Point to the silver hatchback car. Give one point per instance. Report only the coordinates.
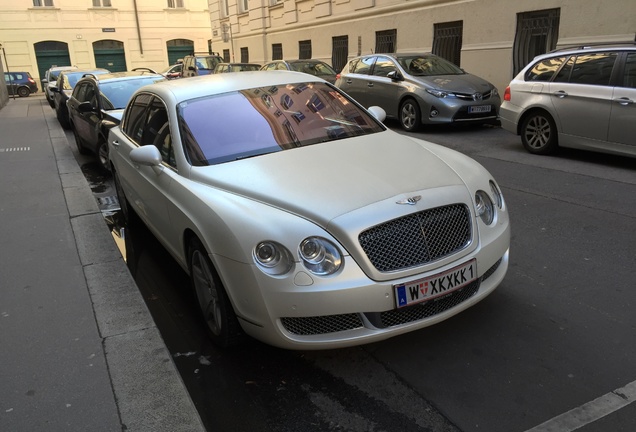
(581, 98)
(419, 89)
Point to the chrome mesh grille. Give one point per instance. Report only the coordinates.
(427, 309)
(321, 324)
(418, 238)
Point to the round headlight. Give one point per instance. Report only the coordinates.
(496, 193)
(484, 207)
(273, 258)
(320, 256)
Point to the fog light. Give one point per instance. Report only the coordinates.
(434, 113)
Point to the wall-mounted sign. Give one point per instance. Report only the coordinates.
(108, 30)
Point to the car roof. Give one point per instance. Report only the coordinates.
(116, 76)
(206, 85)
(610, 46)
(83, 71)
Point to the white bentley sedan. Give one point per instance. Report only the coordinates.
(301, 219)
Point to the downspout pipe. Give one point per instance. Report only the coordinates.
(141, 45)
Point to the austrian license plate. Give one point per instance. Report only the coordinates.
(438, 285)
(479, 109)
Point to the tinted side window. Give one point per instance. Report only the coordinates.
(593, 69)
(133, 124)
(545, 69)
(79, 91)
(364, 66)
(564, 74)
(383, 66)
(629, 77)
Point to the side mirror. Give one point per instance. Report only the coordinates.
(85, 107)
(146, 155)
(378, 113)
(45, 81)
(395, 76)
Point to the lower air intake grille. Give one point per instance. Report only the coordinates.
(321, 324)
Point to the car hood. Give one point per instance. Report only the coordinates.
(324, 181)
(465, 83)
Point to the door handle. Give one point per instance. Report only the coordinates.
(115, 143)
(624, 101)
(370, 84)
(348, 81)
(560, 94)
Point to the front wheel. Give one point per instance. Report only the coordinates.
(410, 115)
(220, 320)
(102, 155)
(539, 134)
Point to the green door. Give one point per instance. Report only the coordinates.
(179, 48)
(49, 54)
(109, 54)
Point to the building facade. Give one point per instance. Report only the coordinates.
(490, 38)
(114, 34)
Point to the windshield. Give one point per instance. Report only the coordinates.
(73, 77)
(313, 68)
(208, 62)
(426, 65)
(247, 123)
(116, 94)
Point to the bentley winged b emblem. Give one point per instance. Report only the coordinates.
(410, 200)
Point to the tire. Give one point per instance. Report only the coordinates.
(216, 309)
(121, 197)
(102, 155)
(539, 133)
(63, 119)
(78, 142)
(410, 115)
(24, 92)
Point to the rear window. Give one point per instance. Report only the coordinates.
(214, 129)
(116, 94)
(545, 69)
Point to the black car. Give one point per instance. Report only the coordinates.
(200, 64)
(66, 81)
(20, 83)
(97, 104)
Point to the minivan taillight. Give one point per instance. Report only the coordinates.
(337, 76)
(507, 94)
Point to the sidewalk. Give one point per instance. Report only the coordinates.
(79, 350)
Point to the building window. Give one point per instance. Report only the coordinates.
(40, 3)
(275, 2)
(101, 3)
(304, 49)
(385, 41)
(244, 6)
(537, 33)
(277, 51)
(226, 55)
(225, 8)
(339, 52)
(245, 55)
(174, 4)
(447, 40)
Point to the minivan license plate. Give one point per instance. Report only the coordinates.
(479, 109)
(438, 285)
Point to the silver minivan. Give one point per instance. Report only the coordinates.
(581, 98)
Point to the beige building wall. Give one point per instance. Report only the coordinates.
(489, 26)
(79, 24)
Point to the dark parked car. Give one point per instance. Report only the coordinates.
(50, 82)
(420, 89)
(313, 67)
(20, 83)
(64, 87)
(236, 67)
(200, 64)
(97, 104)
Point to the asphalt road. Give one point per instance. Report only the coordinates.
(552, 349)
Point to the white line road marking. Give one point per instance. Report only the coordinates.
(591, 411)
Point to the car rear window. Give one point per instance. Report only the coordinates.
(116, 94)
(257, 121)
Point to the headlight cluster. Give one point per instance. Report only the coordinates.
(320, 256)
(484, 205)
(440, 93)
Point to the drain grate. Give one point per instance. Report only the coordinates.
(14, 149)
